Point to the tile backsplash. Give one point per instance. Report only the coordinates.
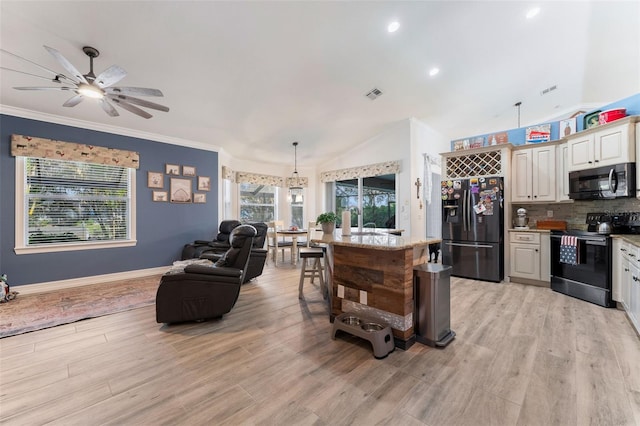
(575, 213)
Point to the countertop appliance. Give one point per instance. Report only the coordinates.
(590, 277)
(473, 227)
(521, 221)
(617, 181)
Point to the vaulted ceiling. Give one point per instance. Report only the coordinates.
(252, 77)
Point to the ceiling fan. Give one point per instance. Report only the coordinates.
(96, 87)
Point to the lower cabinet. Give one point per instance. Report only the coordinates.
(529, 256)
(626, 279)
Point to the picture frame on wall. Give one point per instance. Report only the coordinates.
(204, 183)
(160, 196)
(567, 127)
(199, 198)
(155, 180)
(180, 190)
(172, 169)
(188, 171)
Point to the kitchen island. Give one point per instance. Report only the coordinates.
(372, 275)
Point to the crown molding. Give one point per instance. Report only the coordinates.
(56, 119)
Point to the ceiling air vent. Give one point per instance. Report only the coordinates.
(374, 94)
(548, 89)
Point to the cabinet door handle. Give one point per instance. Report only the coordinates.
(597, 161)
(536, 250)
(590, 162)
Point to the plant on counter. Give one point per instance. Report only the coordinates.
(328, 221)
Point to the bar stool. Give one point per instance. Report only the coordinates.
(315, 253)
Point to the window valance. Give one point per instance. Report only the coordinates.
(228, 174)
(378, 169)
(245, 177)
(28, 146)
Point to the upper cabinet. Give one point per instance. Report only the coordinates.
(562, 175)
(609, 145)
(533, 174)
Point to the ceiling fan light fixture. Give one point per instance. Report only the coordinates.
(90, 91)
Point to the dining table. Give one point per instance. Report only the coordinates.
(293, 234)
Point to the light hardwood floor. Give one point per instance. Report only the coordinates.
(523, 355)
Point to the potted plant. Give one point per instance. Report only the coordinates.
(328, 221)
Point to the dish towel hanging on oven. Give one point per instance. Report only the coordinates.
(569, 252)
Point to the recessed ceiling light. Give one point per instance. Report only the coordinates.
(433, 71)
(393, 27)
(533, 12)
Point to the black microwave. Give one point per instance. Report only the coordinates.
(603, 182)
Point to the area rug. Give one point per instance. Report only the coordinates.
(32, 312)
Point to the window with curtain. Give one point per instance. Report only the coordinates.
(68, 203)
(258, 202)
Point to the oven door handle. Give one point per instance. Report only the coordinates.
(596, 243)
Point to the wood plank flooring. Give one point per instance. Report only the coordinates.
(523, 355)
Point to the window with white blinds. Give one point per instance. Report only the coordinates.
(74, 204)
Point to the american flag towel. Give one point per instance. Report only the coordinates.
(569, 252)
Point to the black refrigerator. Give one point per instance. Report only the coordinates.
(473, 227)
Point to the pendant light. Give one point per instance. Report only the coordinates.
(296, 192)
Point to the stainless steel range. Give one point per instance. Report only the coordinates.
(581, 261)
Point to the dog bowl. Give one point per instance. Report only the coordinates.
(371, 327)
(351, 320)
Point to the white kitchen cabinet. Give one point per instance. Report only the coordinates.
(606, 146)
(533, 176)
(562, 172)
(626, 279)
(529, 256)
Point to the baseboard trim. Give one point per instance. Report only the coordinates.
(95, 279)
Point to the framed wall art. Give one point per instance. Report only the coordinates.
(160, 196)
(188, 171)
(199, 197)
(180, 190)
(172, 169)
(204, 183)
(591, 120)
(155, 180)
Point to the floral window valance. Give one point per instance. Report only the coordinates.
(378, 169)
(228, 174)
(27, 146)
(245, 177)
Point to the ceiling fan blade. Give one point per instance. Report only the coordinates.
(108, 108)
(135, 91)
(57, 75)
(45, 88)
(110, 76)
(53, 80)
(73, 101)
(131, 108)
(66, 64)
(140, 102)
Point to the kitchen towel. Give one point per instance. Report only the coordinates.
(569, 251)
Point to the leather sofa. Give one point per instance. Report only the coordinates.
(202, 292)
(219, 244)
(258, 256)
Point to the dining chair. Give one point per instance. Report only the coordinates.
(276, 242)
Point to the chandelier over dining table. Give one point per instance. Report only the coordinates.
(296, 192)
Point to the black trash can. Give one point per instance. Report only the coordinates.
(432, 310)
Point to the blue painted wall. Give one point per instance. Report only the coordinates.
(162, 228)
(518, 136)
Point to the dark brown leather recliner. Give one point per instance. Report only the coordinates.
(202, 292)
(258, 255)
(219, 244)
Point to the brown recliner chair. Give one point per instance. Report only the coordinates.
(219, 244)
(258, 255)
(202, 292)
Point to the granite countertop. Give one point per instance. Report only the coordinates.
(541, 231)
(632, 239)
(383, 241)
